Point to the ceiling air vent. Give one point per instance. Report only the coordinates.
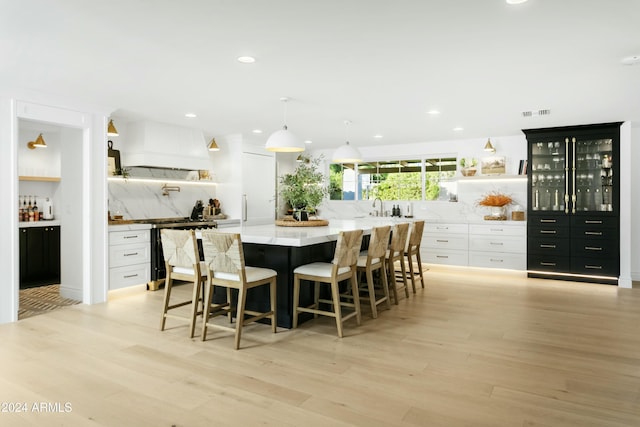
(536, 113)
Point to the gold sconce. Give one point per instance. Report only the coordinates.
(38, 143)
(489, 147)
(213, 146)
(111, 129)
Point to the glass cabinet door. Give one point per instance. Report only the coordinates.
(548, 177)
(593, 178)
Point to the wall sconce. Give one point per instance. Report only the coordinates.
(38, 143)
(488, 147)
(213, 146)
(111, 129)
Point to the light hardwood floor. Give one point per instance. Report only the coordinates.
(472, 349)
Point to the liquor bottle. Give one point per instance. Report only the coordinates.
(20, 208)
(25, 213)
(36, 214)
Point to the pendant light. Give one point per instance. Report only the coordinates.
(489, 147)
(213, 146)
(38, 143)
(283, 140)
(347, 153)
(111, 129)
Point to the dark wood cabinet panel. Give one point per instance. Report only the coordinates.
(39, 256)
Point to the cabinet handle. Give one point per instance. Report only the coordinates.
(442, 256)
(593, 233)
(592, 248)
(131, 237)
(496, 243)
(496, 229)
(588, 221)
(548, 220)
(496, 260)
(129, 276)
(566, 177)
(550, 264)
(548, 246)
(131, 254)
(547, 231)
(573, 175)
(593, 267)
(442, 241)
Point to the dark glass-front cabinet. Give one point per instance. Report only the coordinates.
(573, 229)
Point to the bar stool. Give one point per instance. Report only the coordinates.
(374, 259)
(224, 258)
(396, 253)
(343, 267)
(413, 250)
(182, 262)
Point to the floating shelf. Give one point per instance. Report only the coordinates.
(40, 178)
(490, 178)
(161, 180)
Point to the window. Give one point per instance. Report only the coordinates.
(417, 179)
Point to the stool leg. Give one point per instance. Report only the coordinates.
(316, 298)
(385, 284)
(272, 296)
(167, 296)
(356, 298)
(206, 309)
(242, 299)
(197, 284)
(411, 271)
(296, 298)
(372, 294)
(394, 285)
(335, 296)
(420, 268)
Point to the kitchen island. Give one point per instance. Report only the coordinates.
(285, 248)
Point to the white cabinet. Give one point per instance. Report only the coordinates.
(258, 189)
(129, 257)
(498, 246)
(445, 244)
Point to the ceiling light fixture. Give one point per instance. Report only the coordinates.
(190, 115)
(257, 131)
(308, 141)
(516, 1)
(111, 129)
(378, 136)
(213, 146)
(433, 112)
(489, 147)
(458, 129)
(246, 59)
(283, 140)
(347, 153)
(38, 143)
(631, 60)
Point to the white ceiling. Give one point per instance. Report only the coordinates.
(380, 64)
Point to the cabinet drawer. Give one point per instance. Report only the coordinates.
(136, 253)
(445, 257)
(511, 261)
(549, 246)
(126, 237)
(548, 232)
(446, 229)
(441, 241)
(498, 230)
(594, 248)
(547, 220)
(601, 266)
(129, 275)
(596, 232)
(498, 244)
(558, 264)
(594, 222)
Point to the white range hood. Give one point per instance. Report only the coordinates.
(161, 145)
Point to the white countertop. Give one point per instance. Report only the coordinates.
(41, 223)
(129, 227)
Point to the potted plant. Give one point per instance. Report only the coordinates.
(303, 189)
(468, 166)
(497, 202)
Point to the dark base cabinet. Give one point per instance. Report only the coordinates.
(39, 256)
(573, 227)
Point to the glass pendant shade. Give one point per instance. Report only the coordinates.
(284, 141)
(111, 129)
(347, 154)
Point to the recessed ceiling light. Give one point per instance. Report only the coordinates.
(190, 115)
(257, 131)
(515, 1)
(308, 141)
(458, 128)
(631, 60)
(246, 59)
(377, 136)
(433, 112)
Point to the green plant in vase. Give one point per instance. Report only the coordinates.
(303, 189)
(468, 166)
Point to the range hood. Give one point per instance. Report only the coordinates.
(161, 145)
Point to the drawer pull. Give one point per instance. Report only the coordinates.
(496, 260)
(589, 221)
(442, 228)
(592, 248)
(547, 231)
(129, 276)
(131, 254)
(593, 233)
(496, 229)
(548, 246)
(593, 267)
(442, 256)
(496, 243)
(135, 236)
(550, 264)
(548, 220)
(442, 241)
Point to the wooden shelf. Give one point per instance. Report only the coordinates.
(39, 178)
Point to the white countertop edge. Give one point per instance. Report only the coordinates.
(41, 223)
(129, 227)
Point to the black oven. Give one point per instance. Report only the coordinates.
(158, 271)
